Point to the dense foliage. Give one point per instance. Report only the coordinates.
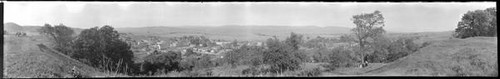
(387, 50)
(340, 57)
(477, 23)
(101, 47)
(196, 40)
(282, 56)
(320, 42)
(60, 36)
(245, 55)
(168, 61)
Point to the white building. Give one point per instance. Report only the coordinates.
(221, 43)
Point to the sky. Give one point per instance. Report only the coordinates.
(399, 17)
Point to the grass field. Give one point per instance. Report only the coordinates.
(475, 56)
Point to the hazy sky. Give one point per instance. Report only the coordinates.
(399, 17)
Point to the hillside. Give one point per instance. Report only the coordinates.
(12, 27)
(475, 56)
(23, 58)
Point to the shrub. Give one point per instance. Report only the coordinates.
(204, 62)
(321, 54)
(188, 63)
(165, 61)
(339, 57)
(310, 73)
(245, 55)
(388, 51)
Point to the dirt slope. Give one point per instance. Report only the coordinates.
(453, 57)
(24, 59)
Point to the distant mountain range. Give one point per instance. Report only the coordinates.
(13, 27)
(228, 32)
(237, 32)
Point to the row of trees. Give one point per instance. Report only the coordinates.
(278, 56)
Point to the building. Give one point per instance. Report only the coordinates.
(222, 43)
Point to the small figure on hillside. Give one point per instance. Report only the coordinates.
(74, 73)
(363, 64)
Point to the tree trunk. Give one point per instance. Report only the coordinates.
(361, 47)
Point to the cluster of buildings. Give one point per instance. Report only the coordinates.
(212, 47)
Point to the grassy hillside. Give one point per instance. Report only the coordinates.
(475, 56)
(24, 59)
(12, 27)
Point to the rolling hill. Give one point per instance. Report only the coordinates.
(475, 56)
(24, 57)
(12, 28)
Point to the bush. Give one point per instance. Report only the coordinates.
(310, 73)
(321, 54)
(339, 57)
(257, 70)
(204, 62)
(195, 63)
(165, 62)
(245, 55)
(188, 63)
(319, 42)
(388, 51)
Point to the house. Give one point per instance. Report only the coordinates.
(222, 43)
(259, 44)
(173, 44)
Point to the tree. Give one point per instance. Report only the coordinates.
(294, 40)
(282, 56)
(95, 45)
(166, 61)
(60, 36)
(245, 55)
(367, 26)
(477, 23)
